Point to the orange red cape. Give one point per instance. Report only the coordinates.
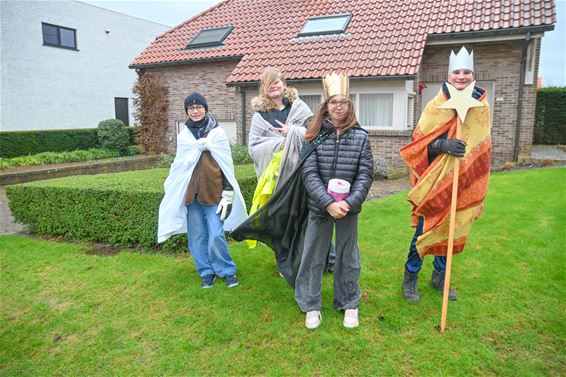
(431, 193)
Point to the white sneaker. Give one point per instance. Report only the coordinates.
(351, 318)
(313, 320)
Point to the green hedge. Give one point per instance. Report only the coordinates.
(118, 208)
(47, 158)
(23, 143)
(550, 119)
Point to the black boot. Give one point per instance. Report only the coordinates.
(437, 281)
(410, 289)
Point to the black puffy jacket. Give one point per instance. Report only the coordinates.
(347, 157)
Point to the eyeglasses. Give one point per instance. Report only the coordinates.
(195, 108)
(342, 103)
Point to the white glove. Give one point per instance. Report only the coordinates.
(225, 204)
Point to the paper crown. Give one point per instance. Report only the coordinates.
(336, 84)
(462, 60)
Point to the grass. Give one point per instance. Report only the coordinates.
(66, 311)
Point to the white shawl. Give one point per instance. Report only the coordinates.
(172, 210)
(264, 142)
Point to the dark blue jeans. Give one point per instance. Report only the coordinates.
(414, 261)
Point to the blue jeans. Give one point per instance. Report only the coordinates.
(207, 242)
(414, 261)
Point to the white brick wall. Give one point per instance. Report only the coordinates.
(46, 87)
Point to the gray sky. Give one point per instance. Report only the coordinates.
(552, 60)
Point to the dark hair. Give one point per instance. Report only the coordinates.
(322, 113)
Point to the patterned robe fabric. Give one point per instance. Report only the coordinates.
(264, 141)
(431, 193)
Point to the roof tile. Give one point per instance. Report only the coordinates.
(385, 37)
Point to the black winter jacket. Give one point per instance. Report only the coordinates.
(347, 157)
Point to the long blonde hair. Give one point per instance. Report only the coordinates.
(322, 113)
(268, 78)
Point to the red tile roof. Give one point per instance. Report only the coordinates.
(384, 38)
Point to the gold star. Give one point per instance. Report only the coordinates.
(461, 100)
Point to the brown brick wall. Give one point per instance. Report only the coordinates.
(210, 80)
(499, 62)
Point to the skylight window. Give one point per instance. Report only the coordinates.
(210, 37)
(322, 25)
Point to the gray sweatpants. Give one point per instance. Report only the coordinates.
(308, 284)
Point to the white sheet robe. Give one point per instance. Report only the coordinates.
(264, 142)
(172, 210)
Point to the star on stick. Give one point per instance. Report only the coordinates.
(461, 100)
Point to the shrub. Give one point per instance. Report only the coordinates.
(22, 143)
(117, 208)
(64, 157)
(150, 100)
(240, 155)
(113, 134)
(550, 116)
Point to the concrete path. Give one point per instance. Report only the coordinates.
(548, 152)
(7, 224)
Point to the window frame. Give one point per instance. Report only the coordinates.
(59, 43)
(348, 16)
(217, 43)
(355, 97)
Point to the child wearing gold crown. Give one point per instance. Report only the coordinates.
(430, 158)
(342, 153)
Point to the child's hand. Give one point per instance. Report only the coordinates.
(338, 209)
(283, 130)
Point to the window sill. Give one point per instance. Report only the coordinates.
(62, 47)
(392, 133)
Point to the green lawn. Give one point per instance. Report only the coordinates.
(65, 311)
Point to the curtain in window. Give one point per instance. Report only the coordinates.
(376, 110)
(312, 101)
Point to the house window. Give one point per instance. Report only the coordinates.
(210, 37)
(374, 110)
(322, 25)
(410, 111)
(59, 36)
(121, 110)
(530, 64)
(312, 101)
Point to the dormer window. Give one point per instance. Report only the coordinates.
(322, 25)
(210, 37)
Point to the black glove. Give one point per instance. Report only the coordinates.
(453, 147)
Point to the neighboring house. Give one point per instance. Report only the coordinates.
(395, 52)
(64, 64)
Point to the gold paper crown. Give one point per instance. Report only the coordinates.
(336, 84)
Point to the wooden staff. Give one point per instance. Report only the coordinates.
(461, 101)
(451, 229)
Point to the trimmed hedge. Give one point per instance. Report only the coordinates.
(23, 143)
(550, 118)
(47, 158)
(118, 208)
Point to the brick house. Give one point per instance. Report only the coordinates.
(395, 52)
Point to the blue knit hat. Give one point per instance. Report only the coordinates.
(195, 98)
